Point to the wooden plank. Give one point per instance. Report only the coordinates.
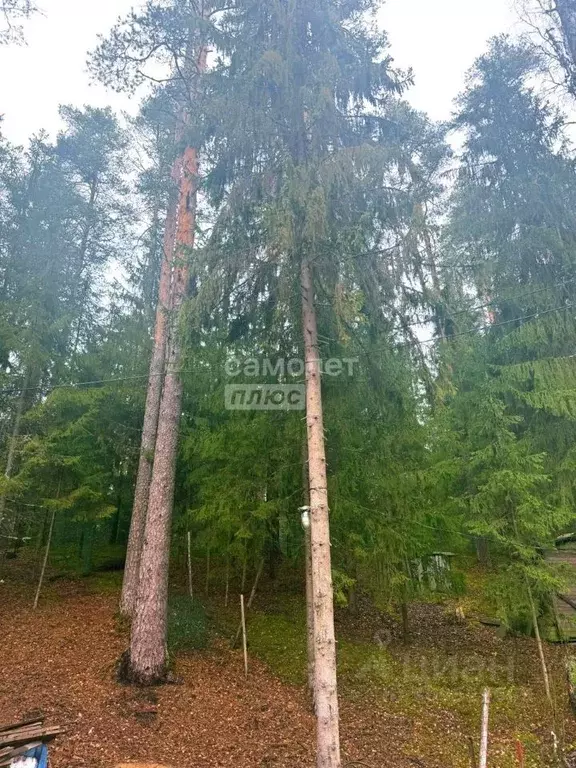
(25, 735)
(141, 765)
(14, 726)
(9, 737)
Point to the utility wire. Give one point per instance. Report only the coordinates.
(80, 384)
(519, 297)
(435, 340)
(12, 391)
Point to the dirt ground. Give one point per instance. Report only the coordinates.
(420, 709)
(60, 660)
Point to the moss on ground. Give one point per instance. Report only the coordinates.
(440, 692)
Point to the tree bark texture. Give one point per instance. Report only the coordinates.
(151, 414)
(326, 695)
(308, 572)
(148, 651)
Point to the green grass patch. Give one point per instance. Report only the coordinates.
(281, 643)
(187, 624)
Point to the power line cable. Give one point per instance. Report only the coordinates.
(477, 308)
(12, 391)
(488, 327)
(80, 384)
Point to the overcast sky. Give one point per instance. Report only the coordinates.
(439, 39)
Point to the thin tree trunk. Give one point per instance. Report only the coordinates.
(46, 553)
(251, 598)
(545, 676)
(227, 590)
(148, 654)
(255, 585)
(189, 552)
(83, 250)
(327, 718)
(13, 442)
(151, 414)
(244, 638)
(244, 572)
(207, 572)
(45, 561)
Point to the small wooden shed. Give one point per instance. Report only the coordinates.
(564, 555)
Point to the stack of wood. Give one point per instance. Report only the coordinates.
(18, 739)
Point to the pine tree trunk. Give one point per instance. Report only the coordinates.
(148, 654)
(151, 414)
(82, 253)
(326, 695)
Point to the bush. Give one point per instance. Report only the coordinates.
(187, 624)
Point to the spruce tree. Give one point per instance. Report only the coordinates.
(303, 159)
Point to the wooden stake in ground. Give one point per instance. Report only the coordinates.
(226, 593)
(520, 754)
(325, 678)
(244, 639)
(189, 543)
(483, 760)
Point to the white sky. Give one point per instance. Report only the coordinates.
(439, 39)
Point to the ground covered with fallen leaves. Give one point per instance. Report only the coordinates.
(401, 706)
